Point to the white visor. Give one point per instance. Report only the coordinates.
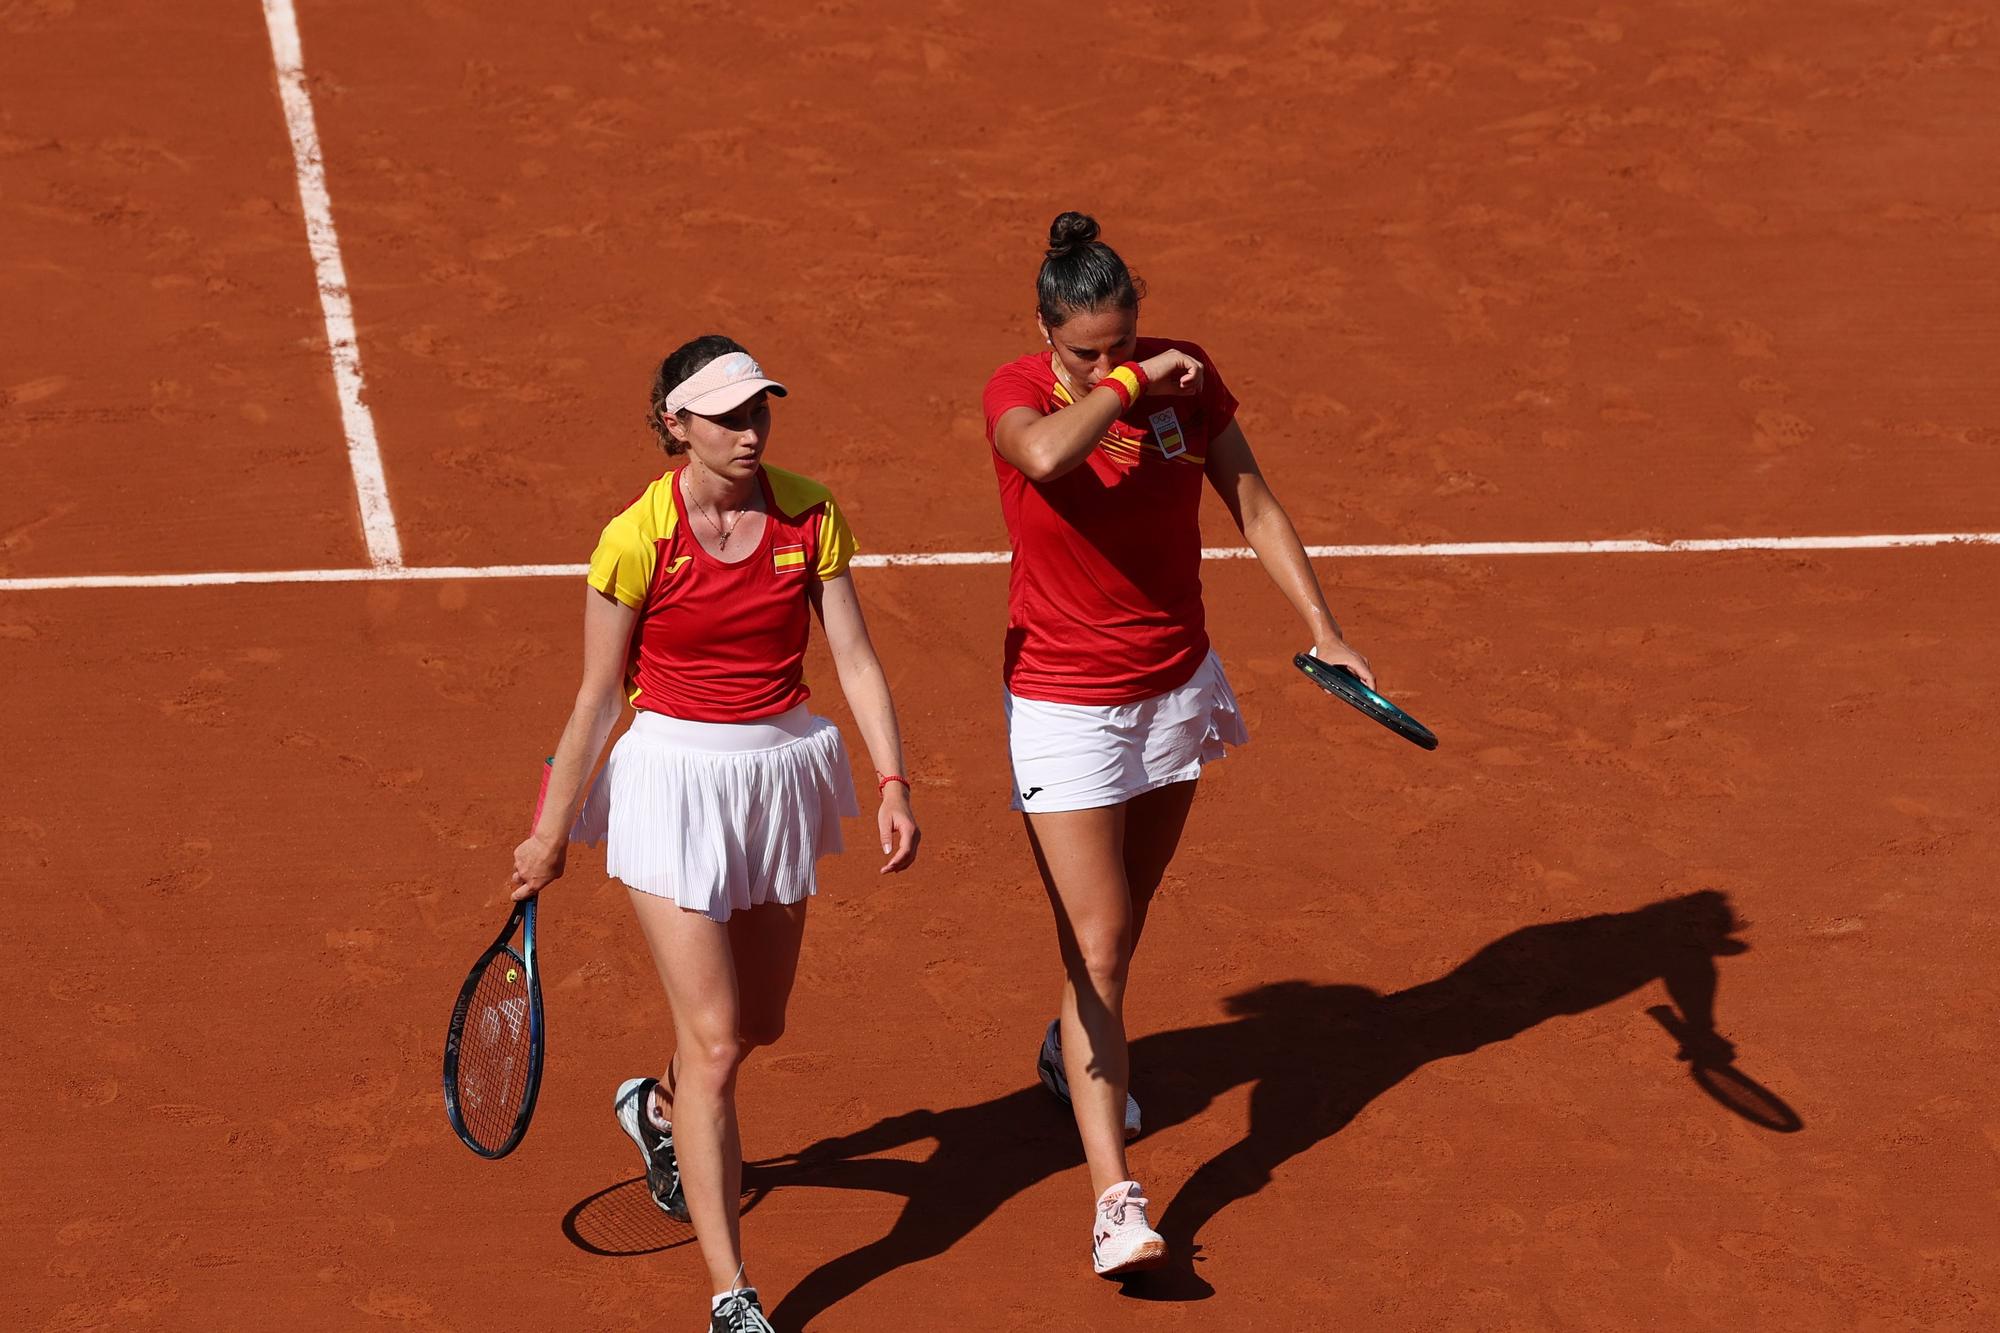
(722, 385)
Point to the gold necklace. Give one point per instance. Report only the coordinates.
(721, 533)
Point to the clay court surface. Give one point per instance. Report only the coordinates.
(1486, 272)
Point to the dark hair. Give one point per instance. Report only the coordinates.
(1082, 273)
(682, 362)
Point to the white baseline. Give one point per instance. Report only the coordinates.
(1433, 550)
(364, 457)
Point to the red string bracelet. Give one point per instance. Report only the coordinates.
(887, 778)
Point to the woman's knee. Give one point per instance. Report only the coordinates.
(710, 1060)
(1104, 955)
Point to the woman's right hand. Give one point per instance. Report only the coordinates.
(898, 826)
(1173, 374)
(537, 864)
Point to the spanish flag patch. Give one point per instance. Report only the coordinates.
(1167, 430)
(788, 557)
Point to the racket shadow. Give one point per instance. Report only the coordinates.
(1712, 1065)
(622, 1222)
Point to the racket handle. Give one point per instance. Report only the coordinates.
(548, 768)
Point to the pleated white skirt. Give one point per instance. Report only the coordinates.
(1084, 756)
(720, 816)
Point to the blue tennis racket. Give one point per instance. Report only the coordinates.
(493, 1048)
(1343, 684)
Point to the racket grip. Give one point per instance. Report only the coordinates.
(548, 768)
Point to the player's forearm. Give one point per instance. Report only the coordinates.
(1276, 542)
(867, 691)
(1058, 443)
(589, 726)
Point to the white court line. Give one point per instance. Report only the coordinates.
(364, 457)
(1447, 550)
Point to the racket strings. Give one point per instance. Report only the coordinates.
(494, 1052)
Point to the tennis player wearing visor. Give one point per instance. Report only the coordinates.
(1101, 442)
(718, 801)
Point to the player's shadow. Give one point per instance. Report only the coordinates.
(1315, 1055)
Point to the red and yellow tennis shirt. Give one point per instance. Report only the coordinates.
(716, 641)
(1104, 598)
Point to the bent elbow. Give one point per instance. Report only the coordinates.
(1035, 454)
(596, 702)
(1259, 514)
(1045, 465)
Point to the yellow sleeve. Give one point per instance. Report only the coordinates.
(623, 563)
(836, 542)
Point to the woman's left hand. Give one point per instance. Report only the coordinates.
(1335, 652)
(900, 833)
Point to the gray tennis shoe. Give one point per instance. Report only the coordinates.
(1049, 1068)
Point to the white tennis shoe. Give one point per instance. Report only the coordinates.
(1121, 1239)
(738, 1312)
(656, 1146)
(1049, 1068)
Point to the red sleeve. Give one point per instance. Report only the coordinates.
(1218, 405)
(1012, 386)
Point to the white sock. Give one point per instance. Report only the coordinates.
(715, 1301)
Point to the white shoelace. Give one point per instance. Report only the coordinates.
(1114, 1211)
(746, 1318)
(743, 1316)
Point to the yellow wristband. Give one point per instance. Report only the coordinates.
(1123, 383)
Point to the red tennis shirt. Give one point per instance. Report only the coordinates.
(715, 641)
(1104, 597)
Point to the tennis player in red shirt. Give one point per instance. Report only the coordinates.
(725, 791)
(1101, 441)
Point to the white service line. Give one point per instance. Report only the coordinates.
(364, 457)
(360, 574)
(1446, 550)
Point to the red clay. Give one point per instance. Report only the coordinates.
(165, 399)
(1669, 271)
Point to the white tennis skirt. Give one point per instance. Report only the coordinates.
(1082, 756)
(720, 816)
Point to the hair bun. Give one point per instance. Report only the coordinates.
(1070, 232)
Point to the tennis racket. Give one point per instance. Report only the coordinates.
(493, 1049)
(1343, 684)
